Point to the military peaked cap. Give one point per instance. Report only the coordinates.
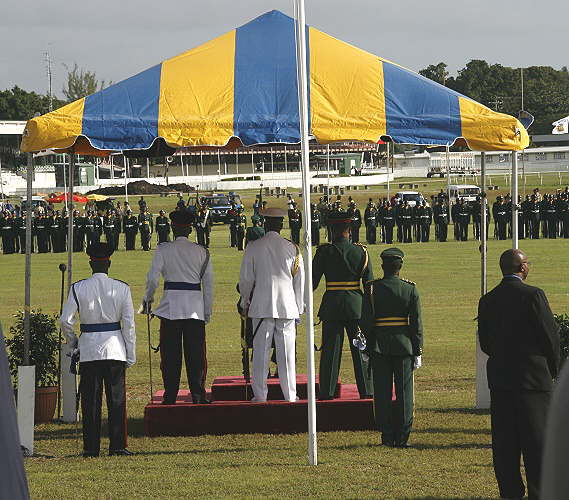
(100, 251)
(181, 218)
(392, 253)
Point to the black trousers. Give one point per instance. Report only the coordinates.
(95, 374)
(393, 421)
(189, 335)
(162, 236)
(240, 235)
(518, 429)
(145, 239)
(371, 234)
(130, 239)
(331, 356)
(232, 235)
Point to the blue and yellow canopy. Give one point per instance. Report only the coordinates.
(244, 84)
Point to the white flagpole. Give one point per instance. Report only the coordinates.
(514, 199)
(303, 108)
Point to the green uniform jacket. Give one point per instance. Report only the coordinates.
(341, 262)
(389, 302)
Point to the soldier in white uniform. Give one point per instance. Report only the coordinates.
(271, 285)
(107, 346)
(185, 307)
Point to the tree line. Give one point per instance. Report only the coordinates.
(545, 89)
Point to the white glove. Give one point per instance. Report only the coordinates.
(417, 362)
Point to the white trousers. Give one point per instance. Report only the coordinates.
(284, 333)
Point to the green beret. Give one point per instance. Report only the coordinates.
(392, 253)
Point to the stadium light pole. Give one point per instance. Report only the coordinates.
(302, 79)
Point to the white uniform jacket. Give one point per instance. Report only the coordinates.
(103, 304)
(187, 294)
(271, 282)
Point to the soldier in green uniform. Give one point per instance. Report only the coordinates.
(146, 227)
(78, 232)
(7, 232)
(256, 231)
(392, 325)
(356, 216)
(21, 232)
(130, 228)
(109, 222)
(241, 227)
(441, 220)
(344, 265)
(314, 225)
(295, 223)
(162, 226)
(370, 220)
(40, 228)
(232, 220)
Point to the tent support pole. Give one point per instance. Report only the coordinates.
(482, 391)
(68, 382)
(303, 104)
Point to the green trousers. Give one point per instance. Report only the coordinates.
(394, 421)
(331, 355)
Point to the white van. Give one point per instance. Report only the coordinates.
(467, 192)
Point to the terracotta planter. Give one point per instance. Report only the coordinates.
(46, 402)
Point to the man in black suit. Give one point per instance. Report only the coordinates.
(519, 334)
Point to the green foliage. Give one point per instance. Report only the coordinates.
(44, 345)
(499, 88)
(81, 83)
(436, 72)
(563, 321)
(18, 104)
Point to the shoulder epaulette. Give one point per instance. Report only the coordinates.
(360, 245)
(408, 281)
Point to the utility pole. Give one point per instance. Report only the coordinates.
(49, 78)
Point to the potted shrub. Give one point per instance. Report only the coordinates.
(563, 322)
(44, 349)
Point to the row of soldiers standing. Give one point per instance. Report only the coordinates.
(50, 230)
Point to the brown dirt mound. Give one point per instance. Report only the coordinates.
(142, 188)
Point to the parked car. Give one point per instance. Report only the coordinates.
(37, 201)
(412, 197)
(219, 204)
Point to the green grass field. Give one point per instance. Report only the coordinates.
(451, 454)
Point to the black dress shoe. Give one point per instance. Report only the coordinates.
(200, 401)
(90, 454)
(167, 402)
(121, 453)
(366, 396)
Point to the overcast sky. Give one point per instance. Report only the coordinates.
(118, 38)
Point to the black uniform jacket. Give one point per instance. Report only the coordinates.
(518, 332)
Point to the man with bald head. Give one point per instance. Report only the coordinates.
(517, 331)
